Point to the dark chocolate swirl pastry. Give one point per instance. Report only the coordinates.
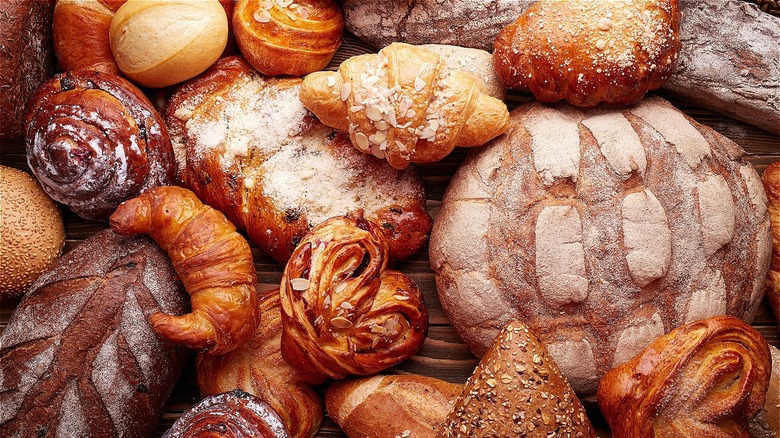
(343, 311)
(94, 140)
(233, 414)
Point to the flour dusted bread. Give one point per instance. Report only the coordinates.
(255, 153)
(602, 230)
(79, 357)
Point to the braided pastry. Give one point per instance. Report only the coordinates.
(257, 366)
(94, 140)
(286, 37)
(234, 414)
(405, 105)
(343, 311)
(706, 378)
(771, 180)
(213, 261)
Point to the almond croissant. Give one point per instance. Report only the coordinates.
(343, 311)
(213, 261)
(704, 379)
(405, 105)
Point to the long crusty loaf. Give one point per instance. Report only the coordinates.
(391, 406)
(78, 357)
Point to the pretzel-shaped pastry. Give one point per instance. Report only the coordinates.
(343, 311)
(706, 378)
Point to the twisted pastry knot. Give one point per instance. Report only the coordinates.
(234, 414)
(94, 140)
(257, 366)
(343, 311)
(405, 105)
(706, 378)
(213, 261)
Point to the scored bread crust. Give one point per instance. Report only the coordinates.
(256, 154)
(601, 229)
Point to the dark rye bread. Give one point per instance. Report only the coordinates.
(600, 229)
(78, 357)
(26, 57)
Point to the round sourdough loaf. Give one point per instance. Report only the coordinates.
(601, 229)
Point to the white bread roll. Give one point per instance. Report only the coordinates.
(157, 43)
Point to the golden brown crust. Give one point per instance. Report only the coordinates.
(257, 367)
(94, 140)
(590, 51)
(80, 31)
(285, 37)
(343, 311)
(706, 378)
(771, 180)
(405, 105)
(213, 261)
(234, 414)
(517, 390)
(406, 405)
(255, 153)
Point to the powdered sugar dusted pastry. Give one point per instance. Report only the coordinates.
(588, 51)
(255, 153)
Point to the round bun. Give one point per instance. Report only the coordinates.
(158, 43)
(602, 230)
(31, 231)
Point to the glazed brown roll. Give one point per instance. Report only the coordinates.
(257, 367)
(94, 140)
(343, 311)
(234, 414)
(706, 378)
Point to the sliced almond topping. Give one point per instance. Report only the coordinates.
(378, 329)
(340, 287)
(400, 297)
(346, 90)
(303, 13)
(326, 302)
(347, 305)
(362, 141)
(319, 320)
(370, 81)
(427, 134)
(379, 137)
(434, 124)
(331, 81)
(341, 322)
(419, 84)
(411, 113)
(382, 125)
(267, 4)
(377, 151)
(299, 283)
(401, 146)
(262, 15)
(373, 113)
(356, 108)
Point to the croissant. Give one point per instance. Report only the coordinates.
(286, 37)
(706, 378)
(343, 311)
(257, 366)
(771, 180)
(213, 261)
(234, 414)
(405, 105)
(588, 51)
(517, 390)
(94, 140)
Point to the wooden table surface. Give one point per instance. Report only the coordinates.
(443, 354)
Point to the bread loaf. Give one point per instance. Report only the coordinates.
(466, 23)
(26, 58)
(80, 33)
(255, 153)
(602, 230)
(391, 405)
(78, 357)
(517, 390)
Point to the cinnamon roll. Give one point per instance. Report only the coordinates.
(94, 140)
(706, 378)
(343, 311)
(234, 414)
